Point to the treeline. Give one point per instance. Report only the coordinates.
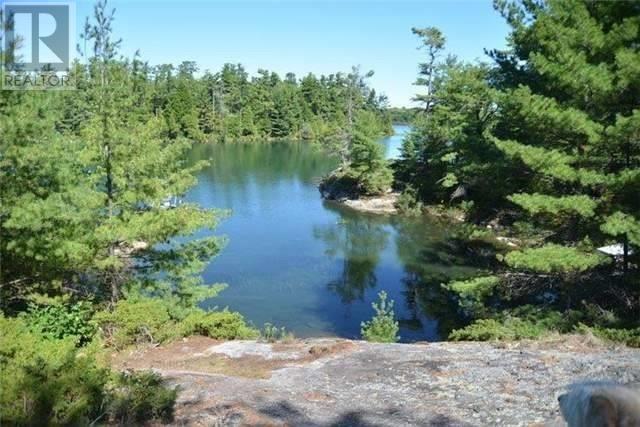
(403, 115)
(230, 105)
(95, 255)
(542, 146)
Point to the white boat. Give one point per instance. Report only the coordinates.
(616, 250)
(170, 202)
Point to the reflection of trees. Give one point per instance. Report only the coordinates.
(239, 163)
(359, 240)
(239, 173)
(430, 257)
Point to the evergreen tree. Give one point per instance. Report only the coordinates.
(368, 165)
(83, 209)
(447, 156)
(577, 130)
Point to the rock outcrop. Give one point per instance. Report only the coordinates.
(332, 382)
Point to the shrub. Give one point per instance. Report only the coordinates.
(139, 396)
(530, 322)
(383, 327)
(408, 202)
(58, 321)
(492, 329)
(151, 320)
(136, 320)
(272, 333)
(630, 337)
(44, 380)
(217, 324)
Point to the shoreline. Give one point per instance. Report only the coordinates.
(381, 205)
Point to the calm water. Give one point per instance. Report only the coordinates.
(312, 266)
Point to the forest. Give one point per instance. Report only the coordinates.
(537, 149)
(91, 253)
(540, 147)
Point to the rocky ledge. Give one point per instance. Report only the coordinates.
(339, 188)
(332, 382)
(385, 204)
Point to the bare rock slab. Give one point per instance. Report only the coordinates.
(331, 382)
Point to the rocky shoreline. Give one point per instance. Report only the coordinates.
(384, 205)
(334, 382)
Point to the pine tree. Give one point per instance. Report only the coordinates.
(569, 119)
(83, 205)
(447, 156)
(368, 165)
(135, 169)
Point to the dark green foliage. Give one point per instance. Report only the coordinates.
(60, 320)
(222, 325)
(51, 381)
(542, 145)
(231, 105)
(85, 216)
(630, 337)
(136, 321)
(530, 322)
(402, 115)
(576, 138)
(408, 202)
(368, 165)
(365, 171)
(446, 157)
(136, 397)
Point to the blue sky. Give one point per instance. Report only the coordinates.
(320, 36)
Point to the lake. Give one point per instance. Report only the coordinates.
(315, 267)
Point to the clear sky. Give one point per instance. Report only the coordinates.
(320, 36)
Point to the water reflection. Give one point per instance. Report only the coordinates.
(429, 260)
(315, 267)
(358, 240)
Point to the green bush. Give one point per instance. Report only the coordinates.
(492, 329)
(136, 320)
(531, 322)
(150, 320)
(139, 396)
(58, 321)
(630, 337)
(43, 379)
(272, 333)
(383, 327)
(408, 202)
(224, 325)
